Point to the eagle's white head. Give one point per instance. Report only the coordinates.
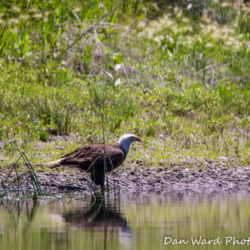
(126, 140)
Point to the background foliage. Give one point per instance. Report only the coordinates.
(174, 69)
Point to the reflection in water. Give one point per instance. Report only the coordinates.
(17, 210)
(60, 219)
(102, 216)
(103, 224)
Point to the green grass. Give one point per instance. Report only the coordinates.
(150, 71)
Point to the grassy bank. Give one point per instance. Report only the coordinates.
(177, 78)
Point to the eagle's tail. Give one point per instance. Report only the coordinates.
(54, 164)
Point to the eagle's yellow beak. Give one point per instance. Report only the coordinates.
(137, 138)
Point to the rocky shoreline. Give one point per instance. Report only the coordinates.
(210, 175)
(179, 179)
(225, 178)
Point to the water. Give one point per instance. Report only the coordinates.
(131, 221)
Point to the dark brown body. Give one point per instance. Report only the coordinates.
(96, 159)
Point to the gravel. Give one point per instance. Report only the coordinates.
(155, 179)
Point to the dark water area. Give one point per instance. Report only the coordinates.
(170, 220)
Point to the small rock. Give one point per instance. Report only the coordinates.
(207, 163)
(160, 169)
(223, 158)
(180, 175)
(62, 186)
(191, 178)
(74, 187)
(162, 137)
(55, 183)
(80, 179)
(173, 179)
(209, 160)
(163, 181)
(150, 182)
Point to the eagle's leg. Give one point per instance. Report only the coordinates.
(98, 176)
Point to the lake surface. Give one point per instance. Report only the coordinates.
(130, 221)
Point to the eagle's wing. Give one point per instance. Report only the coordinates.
(83, 157)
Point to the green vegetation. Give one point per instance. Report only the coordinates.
(71, 68)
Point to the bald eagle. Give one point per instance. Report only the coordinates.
(91, 158)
